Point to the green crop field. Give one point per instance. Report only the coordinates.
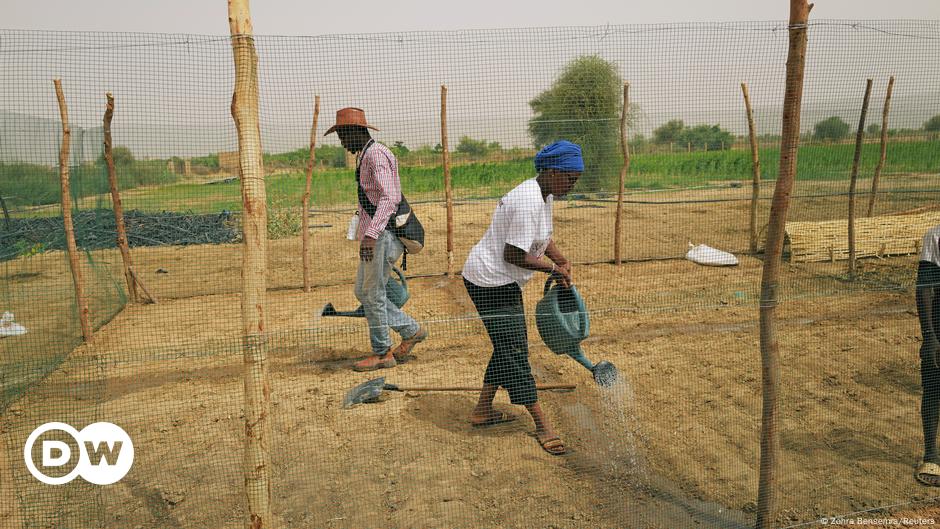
(334, 186)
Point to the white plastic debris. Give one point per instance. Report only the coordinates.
(8, 327)
(708, 256)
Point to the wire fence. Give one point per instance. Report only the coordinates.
(674, 443)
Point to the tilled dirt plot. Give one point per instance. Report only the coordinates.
(676, 446)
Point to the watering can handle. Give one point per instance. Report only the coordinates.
(582, 312)
(582, 309)
(548, 284)
(401, 278)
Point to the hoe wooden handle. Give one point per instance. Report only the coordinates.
(543, 387)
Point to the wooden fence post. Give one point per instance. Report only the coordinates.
(254, 264)
(625, 150)
(884, 148)
(116, 202)
(305, 202)
(448, 192)
(859, 136)
(72, 248)
(755, 166)
(9, 503)
(773, 252)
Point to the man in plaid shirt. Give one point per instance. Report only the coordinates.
(379, 248)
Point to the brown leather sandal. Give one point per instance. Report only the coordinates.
(402, 353)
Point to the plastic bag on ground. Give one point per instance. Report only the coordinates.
(708, 256)
(8, 327)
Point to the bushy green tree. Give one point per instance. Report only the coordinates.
(711, 137)
(472, 147)
(399, 149)
(331, 155)
(669, 132)
(832, 128)
(583, 106)
(874, 129)
(932, 124)
(122, 155)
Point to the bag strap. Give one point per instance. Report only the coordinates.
(364, 203)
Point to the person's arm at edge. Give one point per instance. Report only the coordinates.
(553, 253)
(522, 259)
(925, 295)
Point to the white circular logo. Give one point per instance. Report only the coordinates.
(106, 453)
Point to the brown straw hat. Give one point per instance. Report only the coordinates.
(350, 116)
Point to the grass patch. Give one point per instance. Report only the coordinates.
(814, 162)
(336, 186)
(34, 185)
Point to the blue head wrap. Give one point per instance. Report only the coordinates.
(561, 155)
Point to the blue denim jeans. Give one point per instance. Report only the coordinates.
(370, 291)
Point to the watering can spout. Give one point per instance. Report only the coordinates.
(582, 359)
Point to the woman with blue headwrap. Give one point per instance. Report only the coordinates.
(509, 254)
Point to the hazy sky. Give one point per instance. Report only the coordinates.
(308, 17)
(174, 90)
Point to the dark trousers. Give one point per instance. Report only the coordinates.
(930, 399)
(503, 315)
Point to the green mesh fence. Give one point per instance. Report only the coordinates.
(673, 443)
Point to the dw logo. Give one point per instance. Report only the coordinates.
(102, 453)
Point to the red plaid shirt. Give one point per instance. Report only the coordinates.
(378, 175)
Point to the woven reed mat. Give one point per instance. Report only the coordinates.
(874, 237)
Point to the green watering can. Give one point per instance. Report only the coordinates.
(396, 290)
(563, 323)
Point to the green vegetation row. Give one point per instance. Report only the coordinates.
(39, 185)
(648, 171)
(814, 162)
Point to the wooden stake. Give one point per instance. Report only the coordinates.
(116, 202)
(884, 148)
(625, 151)
(151, 297)
(773, 251)
(6, 213)
(254, 263)
(72, 248)
(859, 136)
(448, 192)
(9, 503)
(305, 202)
(755, 166)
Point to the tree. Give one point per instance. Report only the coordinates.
(331, 155)
(121, 155)
(583, 106)
(832, 128)
(932, 124)
(710, 137)
(472, 147)
(668, 132)
(874, 129)
(399, 149)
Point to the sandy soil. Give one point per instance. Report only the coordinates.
(675, 446)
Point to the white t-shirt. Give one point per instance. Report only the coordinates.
(928, 249)
(521, 219)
